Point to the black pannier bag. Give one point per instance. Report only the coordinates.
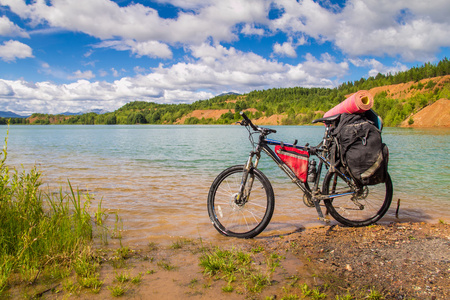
(359, 149)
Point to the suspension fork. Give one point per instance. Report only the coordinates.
(247, 181)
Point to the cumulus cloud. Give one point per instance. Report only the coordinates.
(378, 67)
(152, 49)
(106, 19)
(215, 68)
(11, 50)
(412, 29)
(285, 49)
(250, 29)
(404, 29)
(306, 17)
(8, 28)
(317, 72)
(24, 97)
(82, 75)
(5, 89)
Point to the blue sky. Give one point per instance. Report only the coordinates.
(78, 55)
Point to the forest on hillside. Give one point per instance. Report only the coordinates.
(299, 105)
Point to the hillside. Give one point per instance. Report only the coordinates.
(432, 114)
(436, 114)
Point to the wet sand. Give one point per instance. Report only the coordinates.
(400, 261)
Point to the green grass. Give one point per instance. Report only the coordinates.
(166, 265)
(374, 295)
(137, 279)
(117, 290)
(41, 232)
(122, 278)
(237, 266)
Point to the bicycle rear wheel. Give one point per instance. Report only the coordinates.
(245, 219)
(362, 210)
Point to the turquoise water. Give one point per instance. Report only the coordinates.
(158, 177)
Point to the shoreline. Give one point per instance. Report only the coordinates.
(398, 260)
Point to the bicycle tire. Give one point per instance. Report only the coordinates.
(241, 221)
(373, 205)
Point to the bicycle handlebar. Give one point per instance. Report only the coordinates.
(264, 131)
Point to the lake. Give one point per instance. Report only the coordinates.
(157, 177)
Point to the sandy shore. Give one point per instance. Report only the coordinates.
(399, 261)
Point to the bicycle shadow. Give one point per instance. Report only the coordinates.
(405, 215)
(394, 215)
(278, 229)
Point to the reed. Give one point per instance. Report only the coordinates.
(40, 232)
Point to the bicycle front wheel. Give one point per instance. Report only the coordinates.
(246, 217)
(357, 210)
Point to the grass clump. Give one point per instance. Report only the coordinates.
(122, 277)
(42, 232)
(166, 265)
(238, 268)
(117, 291)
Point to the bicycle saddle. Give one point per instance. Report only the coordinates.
(327, 120)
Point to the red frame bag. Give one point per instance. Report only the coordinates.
(297, 160)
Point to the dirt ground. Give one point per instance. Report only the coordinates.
(405, 261)
(400, 261)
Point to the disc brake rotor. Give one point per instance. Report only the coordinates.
(234, 202)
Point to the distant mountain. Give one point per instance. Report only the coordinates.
(68, 113)
(228, 94)
(10, 114)
(97, 111)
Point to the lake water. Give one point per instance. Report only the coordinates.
(157, 177)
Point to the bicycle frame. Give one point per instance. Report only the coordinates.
(313, 194)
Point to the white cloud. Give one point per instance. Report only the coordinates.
(306, 17)
(285, 49)
(222, 59)
(24, 97)
(82, 75)
(107, 20)
(314, 72)
(11, 50)
(214, 70)
(250, 29)
(5, 89)
(8, 28)
(407, 29)
(410, 29)
(139, 70)
(413, 29)
(378, 67)
(152, 49)
(115, 73)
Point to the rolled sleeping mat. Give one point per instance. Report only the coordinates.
(359, 102)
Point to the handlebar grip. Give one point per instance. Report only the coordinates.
(244, 116)
(248, 121)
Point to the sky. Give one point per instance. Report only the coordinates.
(78, 55)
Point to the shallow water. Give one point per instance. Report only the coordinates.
(157, 177)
